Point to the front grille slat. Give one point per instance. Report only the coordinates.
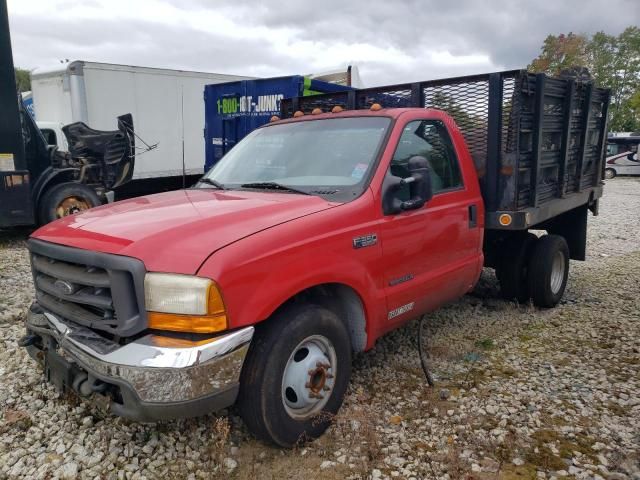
(71, 273)
(100, 300)
(71, 311)
(88, 300)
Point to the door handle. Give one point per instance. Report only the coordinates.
(473, 216)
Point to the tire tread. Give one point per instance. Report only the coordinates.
(540, 264)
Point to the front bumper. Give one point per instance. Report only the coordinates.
(151, 378)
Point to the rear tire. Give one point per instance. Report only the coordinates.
(609, 173)
(548, 270)
(301, 353)
(513, 268)
(66, 199)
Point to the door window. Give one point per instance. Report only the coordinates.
(428, 139)
(49, 136)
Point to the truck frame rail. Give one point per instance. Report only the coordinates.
(538, 143)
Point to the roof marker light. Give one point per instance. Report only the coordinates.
(275, 118)
(299, 113)
(375, 107)
(337, 109)
(316, 111)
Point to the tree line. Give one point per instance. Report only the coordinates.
(23, 80)
(612, 61)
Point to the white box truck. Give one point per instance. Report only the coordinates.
(167, 108)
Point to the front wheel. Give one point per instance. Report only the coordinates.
(295, 375)
(609, 173)
(66, 199)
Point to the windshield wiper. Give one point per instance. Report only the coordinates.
(273, 186)
(210, 181)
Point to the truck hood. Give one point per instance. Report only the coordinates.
(177, 231)
(113, 152)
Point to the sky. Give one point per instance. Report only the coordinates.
(391, 41)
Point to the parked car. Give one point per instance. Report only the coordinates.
(311, 238)
(622, 156)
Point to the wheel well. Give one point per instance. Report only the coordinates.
(345, 302)
(53, 179)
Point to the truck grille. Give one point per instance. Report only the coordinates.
(80, 293)
(99, 291)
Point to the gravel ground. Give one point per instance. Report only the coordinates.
(520, 393)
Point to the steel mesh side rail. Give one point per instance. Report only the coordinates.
(532, 138)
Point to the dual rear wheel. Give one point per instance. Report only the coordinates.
(534, 268)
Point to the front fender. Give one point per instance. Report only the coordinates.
(283, 284)
(47, 176)
(262, 272)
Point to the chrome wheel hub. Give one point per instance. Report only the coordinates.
(71, 205)
(309, 377)
(557, 272)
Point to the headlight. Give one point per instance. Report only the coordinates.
(183, 303)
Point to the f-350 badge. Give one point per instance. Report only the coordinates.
(365, 241)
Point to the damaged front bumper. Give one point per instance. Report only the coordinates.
(151, 378)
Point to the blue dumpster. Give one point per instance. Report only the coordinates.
(234, 109)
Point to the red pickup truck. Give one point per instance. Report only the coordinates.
(309, 240)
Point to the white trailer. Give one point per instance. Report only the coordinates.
(167, 108)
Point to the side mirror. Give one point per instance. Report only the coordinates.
(420, 186)
(420, 189)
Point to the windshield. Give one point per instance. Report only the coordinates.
(329, 157)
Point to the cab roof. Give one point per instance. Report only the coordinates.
(383, 112)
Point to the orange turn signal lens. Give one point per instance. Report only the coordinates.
(175, 322)
(172, 342)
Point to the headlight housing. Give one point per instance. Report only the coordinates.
(184, 303)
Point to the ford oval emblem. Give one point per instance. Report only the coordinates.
(64, 287)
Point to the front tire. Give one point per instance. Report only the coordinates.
(66, 199)
(295, 375)
(609, 173)
(548, 270)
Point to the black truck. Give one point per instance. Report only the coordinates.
(39, 183)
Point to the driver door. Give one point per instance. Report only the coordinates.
(431, 253)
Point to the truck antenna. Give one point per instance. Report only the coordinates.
(184, 178)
